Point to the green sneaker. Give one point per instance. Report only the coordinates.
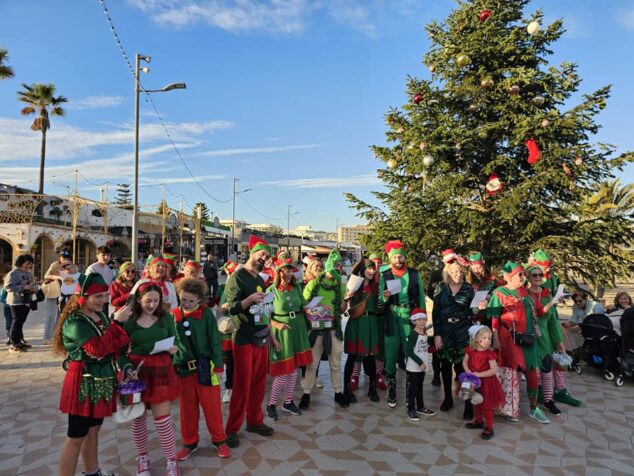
(564, 396)
(538, 414)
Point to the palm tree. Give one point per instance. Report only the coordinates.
(613, 199)
(41, 97)
(6, 72)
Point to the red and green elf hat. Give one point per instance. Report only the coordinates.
(156, 259)
(282, 260)
(476, 258)
(193, 264)
(89, 284)
(229, 267)
(512, 268)
(530, 267)
(333, 258)
(395, 247)
(256, 244)
(449, 256)
(169, 258)
(149, 260)
(418, 314)
(376, 258)
(541, 258)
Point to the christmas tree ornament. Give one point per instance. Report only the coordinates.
(566, 169)
(578, 161)
(428, 161)
(514, 89)
(532, 28)
(539, 100)
(458, 146)
(418, 98)
(462, 60)
(432, 69)
(392, 163)
(400, 130)
(487, 83)
(410, 146)
(422, 146)
(472, 107)
(545, 123)
(484, 15)
(494, 185)
(380, 173)
(533, 151)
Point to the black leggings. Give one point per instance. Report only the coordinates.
(369, 366)
(445, 368)
(19, 314)
(78, 426)
(229, 367)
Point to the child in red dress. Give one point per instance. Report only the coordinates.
(481, 361)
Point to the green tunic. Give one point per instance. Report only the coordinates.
(362, 334)
(326, 288)
(142, 339)
(295, 350)
(241, 285)
(549, 326)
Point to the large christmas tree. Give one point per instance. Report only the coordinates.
(489, 155)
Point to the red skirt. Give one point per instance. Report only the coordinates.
(491, 391)
(158, 374)
(69, 400)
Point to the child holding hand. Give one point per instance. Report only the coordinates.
(481, 361)
(417, 360)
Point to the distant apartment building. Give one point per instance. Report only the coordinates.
(351, 234)
(266, 228)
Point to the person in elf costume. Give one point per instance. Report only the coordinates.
(288, 325)
(191, 269)
(328, 341)
(542, 259)
(89, 340)
(245, 294)
(514, 316)
(157, 272)
(379, 359)
(172, 269)
(225, 326)
(198, 360)
(482, 280)
(361, 339)
(148, 324)
(398, 308)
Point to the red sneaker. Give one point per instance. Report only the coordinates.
(223, 451)
(380, 383)
(185, 452)
(354, 383)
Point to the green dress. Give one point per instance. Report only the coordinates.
(362, 334)
(548, 325)
(295, 349)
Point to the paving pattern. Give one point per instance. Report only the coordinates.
(595, 439)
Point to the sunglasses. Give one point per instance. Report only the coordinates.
(579, 301)
(537, 275)
(130, 271)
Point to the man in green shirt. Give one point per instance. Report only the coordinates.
(328, 340)
(245, 292)
(398, 308)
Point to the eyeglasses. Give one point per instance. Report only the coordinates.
(130, 271)
(521, 274)
(579, 301)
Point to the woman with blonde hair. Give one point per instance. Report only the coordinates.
(121, 287)
(315, 268)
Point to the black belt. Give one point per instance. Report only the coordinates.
(189, 365)
(291, 314)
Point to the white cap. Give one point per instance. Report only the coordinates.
(473, 330)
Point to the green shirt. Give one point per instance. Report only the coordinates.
(326, 290)
(241, 285)
(205, 338)
(403, 296)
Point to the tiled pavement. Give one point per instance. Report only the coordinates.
(369, 438)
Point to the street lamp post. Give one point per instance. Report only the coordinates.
(137, 90)
(288, 228)
(233, 216)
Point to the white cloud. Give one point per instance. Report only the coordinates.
(254, 150)
(96, 102)
(19, 142)
(626, 18)
(328, 182)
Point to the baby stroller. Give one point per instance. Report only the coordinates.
(602, 347)
(627, 342)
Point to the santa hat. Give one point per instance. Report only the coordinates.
(511, 268)
(449, 256)
(89, 284)
(418, 314)
(494, 185)
(476, 258)
(229, 267)
(256, 244)
(395, 247)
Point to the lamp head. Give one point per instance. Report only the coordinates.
(171, 86)
(145, 69)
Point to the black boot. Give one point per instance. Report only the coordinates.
(467, 415)
(391, 391)
(304, 401)
(347, 379)
(372, 393)
(435, 381)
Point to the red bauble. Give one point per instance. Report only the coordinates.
(418, 98)
(485, 15)
(533, 151)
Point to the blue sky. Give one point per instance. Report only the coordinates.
(286, 95)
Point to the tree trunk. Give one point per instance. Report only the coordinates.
(42, 159)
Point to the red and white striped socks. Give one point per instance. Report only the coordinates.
(140, 435)
(547, 385)
(560, 381)
(167, 438)
(291, 380)
(283, 384)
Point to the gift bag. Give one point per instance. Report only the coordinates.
(511, 387)
(573, 339)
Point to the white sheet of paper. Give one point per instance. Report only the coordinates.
(162, 345)
(69, 282)
(268, 297)
(314, 302)
(354, 282)
(478, 298)
(393, 286)
(560, 293)
(264, 276)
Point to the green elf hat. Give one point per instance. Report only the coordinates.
(541, 258)
(149, 260)
(395, 247)
(229, 267)
(256, 244)
(376, 258)
(169, 258)
(476, 258)
(282, 260)
(333, 258)
(532, 267)
(511, 268)
(89, 284)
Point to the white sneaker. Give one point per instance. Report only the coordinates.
(143, 465)
(172, 468)
(226, 396)
(319, 383)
